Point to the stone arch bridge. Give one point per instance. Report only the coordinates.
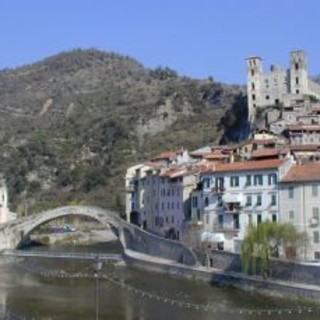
(13, 233)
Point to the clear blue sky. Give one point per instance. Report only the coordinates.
(195, 37)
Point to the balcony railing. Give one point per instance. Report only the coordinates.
(226, 228)
(218, 189)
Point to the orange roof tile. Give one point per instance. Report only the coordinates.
(305, 147)
(301, 127)
(269, 152)
(303, 173)
(249, 165)
(165, 155)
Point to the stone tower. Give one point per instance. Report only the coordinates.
(298, 73)
(254, 71)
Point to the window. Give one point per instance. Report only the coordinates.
(252, 86)
(178, 205)
(274, 217)
(220, 202)
(220, 221)
(198, 215)
(206, 183)
(258, 180)
(249, 201)
(272, 178)
(315, 236)
(315, 213)
(267, 97)
(194, 202)
(317, 255)
(273, 200)
(296, 66)
(252, 73)
(259, 218)
(248, 180)
(234, 181)
(206, 201)
(276, 101)
(172, 219)
(259, 200)
(297, 80)
(291, 192)
(236, 222)
(254, 97)
(168, 205)
(314, 190)
(297, 91)
(207, 218)
(291, 214)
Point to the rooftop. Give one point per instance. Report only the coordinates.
(249, 165)
(303, 173)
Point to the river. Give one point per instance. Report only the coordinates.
(126, 293)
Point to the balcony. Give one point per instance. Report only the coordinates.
(227, 228)
(232, 207)
(219, 189)
(233, 199)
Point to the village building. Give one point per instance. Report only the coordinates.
(234, 195)
(300, 206)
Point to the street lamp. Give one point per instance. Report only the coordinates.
(97, 270)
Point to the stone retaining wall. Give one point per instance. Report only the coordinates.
(138, 240)
(281, 270)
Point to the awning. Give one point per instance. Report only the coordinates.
(212, 237)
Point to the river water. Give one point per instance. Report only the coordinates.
(126, 293)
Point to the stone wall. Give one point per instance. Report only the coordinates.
(138, 240)
(281, 270)
(221, 278)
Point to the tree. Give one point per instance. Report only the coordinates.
(263, 241)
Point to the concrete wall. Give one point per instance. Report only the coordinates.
(138, 240)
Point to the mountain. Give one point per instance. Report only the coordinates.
(72, 123)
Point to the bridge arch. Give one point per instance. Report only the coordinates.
(29, 224)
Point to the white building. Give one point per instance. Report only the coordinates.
(4, 210)
(237, 194)
(300, 205)
(158, 195)
(279, 86)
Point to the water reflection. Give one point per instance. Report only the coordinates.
(64, 298)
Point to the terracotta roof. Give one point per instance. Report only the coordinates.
(165, 155)
(301, 127)
(177, 172)
(303, 173)
(264, 141)
(269, 152)
(249, 165)
(305, 147)
(216, 156)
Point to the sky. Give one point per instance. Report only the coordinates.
(197, 38)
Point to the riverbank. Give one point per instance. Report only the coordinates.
(274, 288)
(76, 238)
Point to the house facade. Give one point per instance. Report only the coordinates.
(300, 205)
(235, 195)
